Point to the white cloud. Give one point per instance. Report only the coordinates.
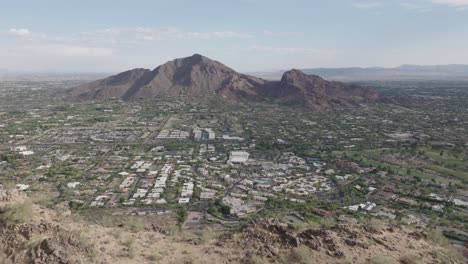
(20, 32)
(286, 51)
(418, 7)
(366, 5)
(454, 3)
(141, 34)
(69, 50)
(218, 35)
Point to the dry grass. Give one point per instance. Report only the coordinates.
(374, 225)
(80, 239)
(301, 226)
(410, 259)
(33, 242)
(328, 222)
(437, 237)
(300, 255)
(253, 259)
(209, 236)
(448, 255)
(381, 259)
(17, 213)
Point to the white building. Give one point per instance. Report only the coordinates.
(197, 134)
(211, 133)
(238, 157)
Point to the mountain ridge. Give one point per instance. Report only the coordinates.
(199, 76)
(405, 72)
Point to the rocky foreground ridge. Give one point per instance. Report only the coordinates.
(30, 233)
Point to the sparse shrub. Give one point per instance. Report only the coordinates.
(33, 242)
(301, 226)
(17, 213)
(410, 259)
(128, 242)
(208, 236)
(301, 255)
(152, 258)
(448, 255)
(437, 237)
(115, 233)
(381, 259)
(136, 224)
(78, 239)
(237, 238)
(181, 215)
(374, 225)
(129, 249)
(253, 259)
(328, 222)
(173, 230)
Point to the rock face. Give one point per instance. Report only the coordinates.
(198, 76)
(50, 236)
(354, 243)
(191, 76)
(297, 88)
(39, 239)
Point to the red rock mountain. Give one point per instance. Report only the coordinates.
(299, 89)
(198, 76)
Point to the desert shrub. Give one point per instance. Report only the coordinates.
(237, 238)
(380, 259)
(301, 226)
(437, 237)
(80, 240)
(410, 259)
(152, 258)
(135, 224)
(328, 222)
(130, 247)
(181, 215)
(374, 225)
(33, 242)
(253, 259)
(17, 213)
(172, 230)
(301, 254)
(448, 255)
(208, 236)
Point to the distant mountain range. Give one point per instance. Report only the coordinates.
(6, 75)
(454, 72)
(198, 76)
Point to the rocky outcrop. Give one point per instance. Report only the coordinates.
(269, 235)
(55, 237)
(299, 89)
(354, 243)
(39, 240)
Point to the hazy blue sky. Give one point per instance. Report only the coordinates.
(248, 35)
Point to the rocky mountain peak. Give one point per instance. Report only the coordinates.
(199, 76)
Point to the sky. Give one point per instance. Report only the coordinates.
(247, 35)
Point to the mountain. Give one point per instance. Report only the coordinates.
(407, 72)
(191, 76)
(300, 89)
(199, 76)
(403, 72)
